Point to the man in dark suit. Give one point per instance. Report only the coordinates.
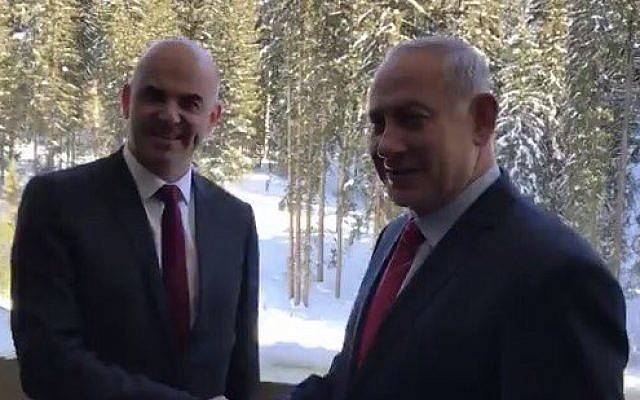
(133, 276)
(475, 293)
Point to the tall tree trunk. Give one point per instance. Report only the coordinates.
(340, 211)
(298, 217)
(267, 131)
(72, 145)
(306, 270)
(290, 200)
(321, 210)
(621, 181)
(302, 268)
(3, 159)
(35, 151)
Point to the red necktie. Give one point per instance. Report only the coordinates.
(174, 265)
(389, 285)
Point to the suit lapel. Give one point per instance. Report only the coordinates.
(369, 282)
(214, 243)
(129, 211)
(454, 251)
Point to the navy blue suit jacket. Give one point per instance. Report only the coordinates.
(510, 305)
(89, 315)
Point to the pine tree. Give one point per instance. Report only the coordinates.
(588, 139)
(5, 84)
(11, 189)
(623, 49)
(129, 27)
(228, 30)
(522, 142)
(17, 109)
(56, 78)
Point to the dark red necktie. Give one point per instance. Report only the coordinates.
(387, 291)
(174, 264)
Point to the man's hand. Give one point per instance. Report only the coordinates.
(219, 398)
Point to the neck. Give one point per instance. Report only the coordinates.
(167, 171)
(170, 173)
(481, 169)
(484, 162)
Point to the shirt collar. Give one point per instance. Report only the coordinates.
(148, 183)
(436, 224)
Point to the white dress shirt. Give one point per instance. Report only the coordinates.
(148, 184)
(435, 225)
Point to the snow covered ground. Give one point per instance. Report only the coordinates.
(296, 341)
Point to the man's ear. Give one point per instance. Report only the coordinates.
(484, 111)
(215, 115)
(125, 100)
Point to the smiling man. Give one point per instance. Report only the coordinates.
(474, 293)
(133, 276)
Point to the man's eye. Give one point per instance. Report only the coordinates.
(376, 125)
(412, 121)
(376, 128)
(192, 105)
(153, 96)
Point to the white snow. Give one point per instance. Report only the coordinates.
(6, 342)
(296, 341)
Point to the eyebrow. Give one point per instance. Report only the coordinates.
(376, 112)
(193, 96)
(188, 96)
(151, 89)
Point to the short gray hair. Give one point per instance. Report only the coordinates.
(465, 68)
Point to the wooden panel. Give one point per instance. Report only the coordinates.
(10, 384)
(10, 381)
(274, 391)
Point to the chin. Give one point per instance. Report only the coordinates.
(412, 200)
(401, 198)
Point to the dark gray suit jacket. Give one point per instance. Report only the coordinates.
(89, 315)
(510, 305)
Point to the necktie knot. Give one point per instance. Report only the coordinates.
(168, 194)
(412, 235)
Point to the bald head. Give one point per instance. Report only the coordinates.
(188, 51)
(171, 104)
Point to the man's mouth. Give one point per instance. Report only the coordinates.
(400, 173)
(167, 136)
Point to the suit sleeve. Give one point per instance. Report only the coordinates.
(244, 371)
(46, 318)
(566, 337)
(317, 387)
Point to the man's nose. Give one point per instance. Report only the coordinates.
(391, 142)
(170, 112)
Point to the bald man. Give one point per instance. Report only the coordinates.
(474, 293)
(133, 276)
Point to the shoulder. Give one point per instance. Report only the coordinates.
(545, 233)
(69, 180)
(549, 255)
